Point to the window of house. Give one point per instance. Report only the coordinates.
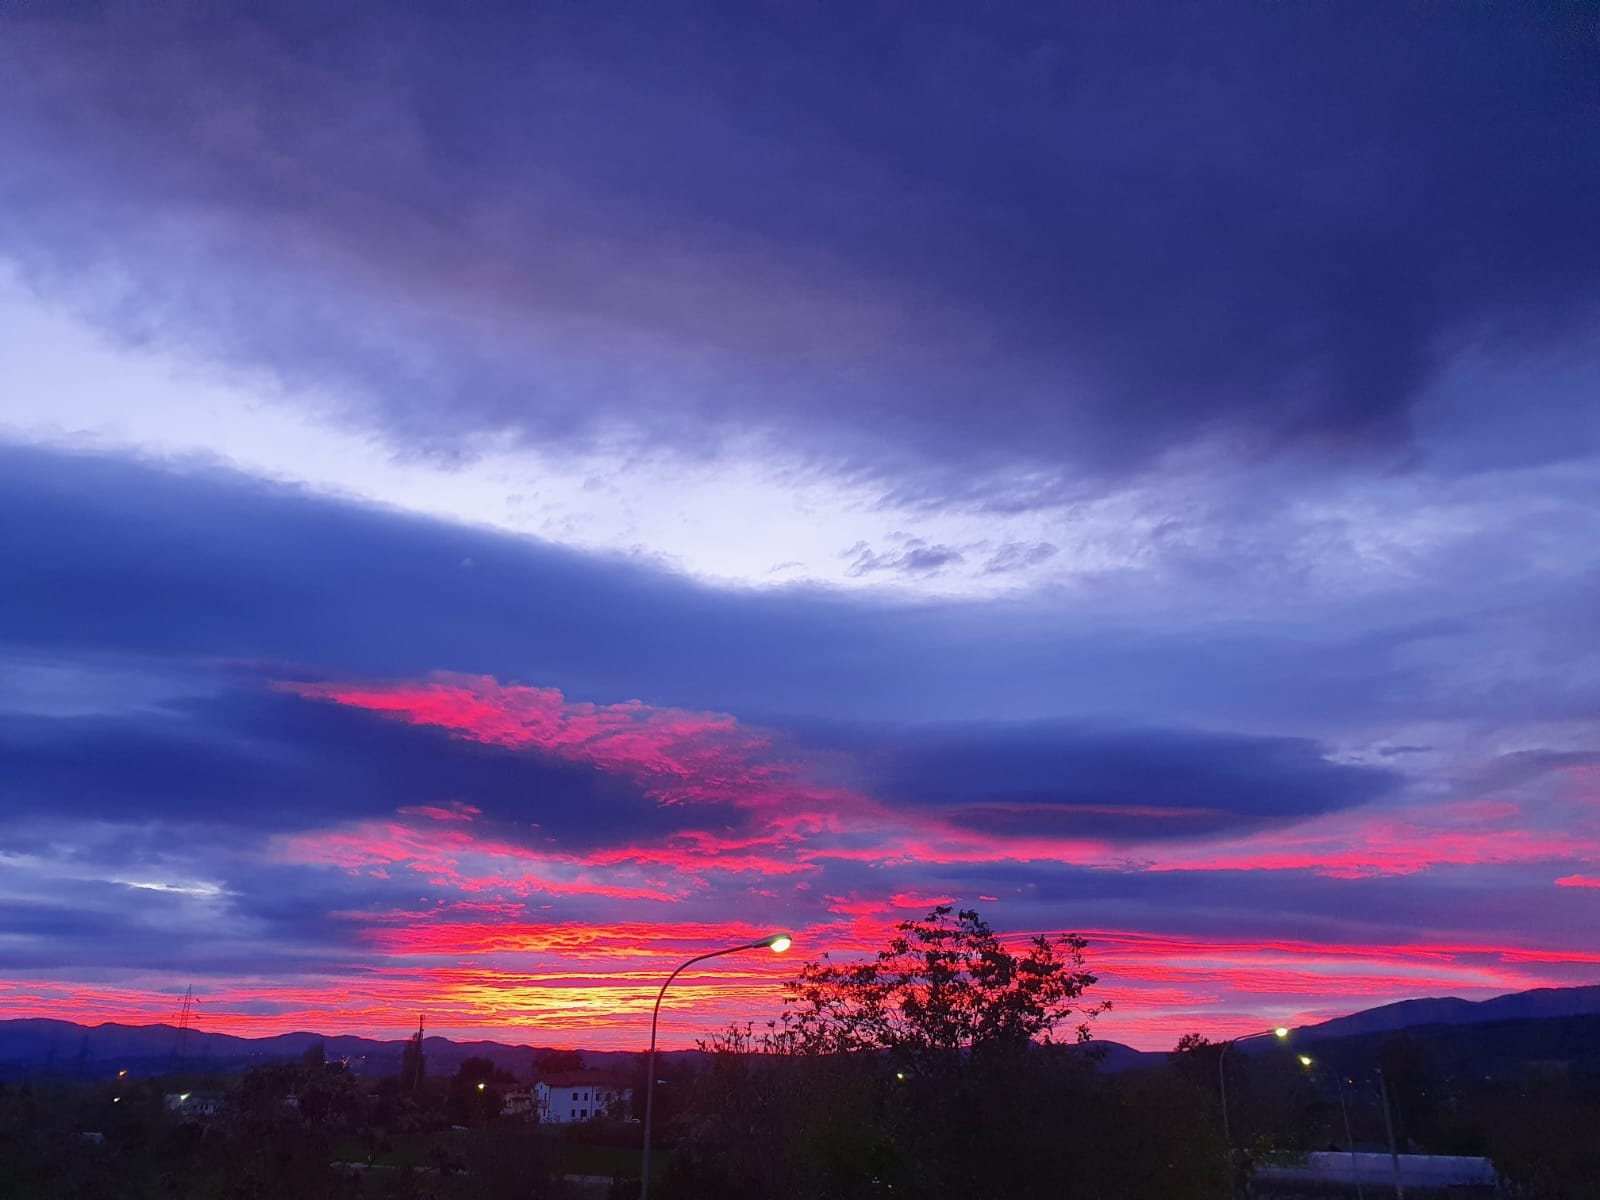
(583, 1112)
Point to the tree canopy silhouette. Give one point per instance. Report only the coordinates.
(944, 984)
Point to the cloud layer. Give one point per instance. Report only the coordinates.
(227, 758)
(929, 248)
(493, 503)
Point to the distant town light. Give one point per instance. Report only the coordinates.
(1305, 1060)
(481, 1085)
(1281, 1031)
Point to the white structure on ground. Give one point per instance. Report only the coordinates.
(1458, 1174)
(581, 1096)
(194, 1104)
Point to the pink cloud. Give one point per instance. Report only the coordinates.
(504, 940)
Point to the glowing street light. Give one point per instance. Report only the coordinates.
(1355, 1164)
(777, 943)
(1278, 1031)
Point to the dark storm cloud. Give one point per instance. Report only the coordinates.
(923, 244)
(1127, 784)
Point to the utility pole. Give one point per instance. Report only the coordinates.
(1349, 1138)
(1227, 1134)
(1388, 1123)
(416, 1069)
(185, 1015)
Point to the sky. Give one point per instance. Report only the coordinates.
(497, 500)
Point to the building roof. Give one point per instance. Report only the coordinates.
(569, 1079)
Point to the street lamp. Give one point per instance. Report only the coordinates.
(777, 943)
(1355, 1168)
(1278, 1031)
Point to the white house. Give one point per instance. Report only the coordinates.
(582, 1096)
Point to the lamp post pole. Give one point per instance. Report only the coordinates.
(1222, 1087)
(1388, 1124)
(1338, 1077)
(777, 943)
(1355, 1163)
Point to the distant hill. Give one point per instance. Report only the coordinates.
(32, 1046)
(1114, 1056)
(1541, 1024)
(1564, 1046)
(1538, 1004)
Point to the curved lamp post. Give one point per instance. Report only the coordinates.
(1355, 1169)
(1277, 1031)
(777, 943)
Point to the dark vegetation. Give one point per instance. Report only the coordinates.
(949, 1066)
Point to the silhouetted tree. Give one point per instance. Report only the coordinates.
(1541, 1135)
(476, 1093)
(926, 1072)
(481, 1069)
(555, 1062)
(1412, 1093)
(943, 985)
(1195, 1057)
(413, 1062)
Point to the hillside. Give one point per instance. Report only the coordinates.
(1546, 1024)
(1538, 1004)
